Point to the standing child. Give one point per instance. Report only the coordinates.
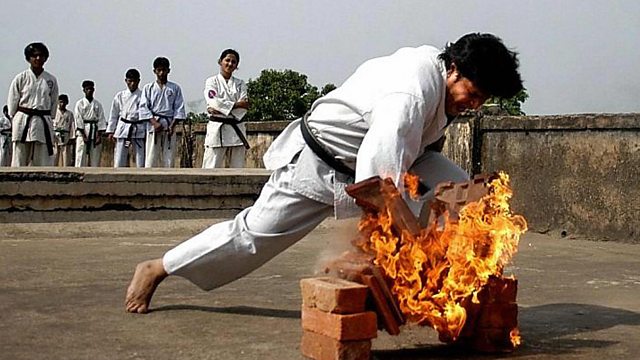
(63, 126)
(162, 105)
(5, 137)
(90, 125)
(32, 99)
(227, 103)
(124, 125)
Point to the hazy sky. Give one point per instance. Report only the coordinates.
(577, 56)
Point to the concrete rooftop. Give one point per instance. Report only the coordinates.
(62, 288)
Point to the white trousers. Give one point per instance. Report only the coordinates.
(6, 150)
(63, 155)
(279, 218)
(86, 155)
(160, 149)
(32, 153)
(121, 153)
(214, 157)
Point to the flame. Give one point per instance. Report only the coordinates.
(411, 183)
(447, 262)
(515, 337)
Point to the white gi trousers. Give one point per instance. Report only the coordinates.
(214, 157)
(160, 149)
(63, 154)
(279, 218)
(6, 150)
(33, 151)
(86, 156)
(121, 153)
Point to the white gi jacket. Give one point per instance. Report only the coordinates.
(125, 106)
(64, 127)
(87, 112)
(5, 125)
(164, 103)
(221, 95)
(32, 92)
(378, 122)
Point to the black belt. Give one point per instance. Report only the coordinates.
(40, 114)
(133, 128)
(321, 151)
(93, 131)
(234, 124)
(168, 122)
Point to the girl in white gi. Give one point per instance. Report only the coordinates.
(124, 125)
(162, 105)
(5, 137)
(90, 126)
(32, 100)
(227, 102)
(64, 127)
(380, 122)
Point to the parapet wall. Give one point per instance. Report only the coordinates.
(571, 174)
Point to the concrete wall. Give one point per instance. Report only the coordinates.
(571, 174)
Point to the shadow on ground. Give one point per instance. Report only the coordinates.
(238, 310)
(546, 329)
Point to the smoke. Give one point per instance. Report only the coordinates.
(340, 235)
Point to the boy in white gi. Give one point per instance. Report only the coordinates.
(64, 127)
(162, 105)
(227, 103)
(124, 125)
(5, 137)
(90, 126)
(32, 100)
(383, 121)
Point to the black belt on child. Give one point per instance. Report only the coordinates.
(39, 114)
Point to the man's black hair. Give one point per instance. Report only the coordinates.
(33, 47)
(132, 74)
(88, 83)
(161, 62)
(5, 109)
(486, 62)
(229, 51)
(63, 97)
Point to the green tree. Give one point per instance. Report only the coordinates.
(512, 106)
(281, 95)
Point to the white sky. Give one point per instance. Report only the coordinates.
(577, 56)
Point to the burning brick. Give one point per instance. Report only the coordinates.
(333, 295)
(361, 326)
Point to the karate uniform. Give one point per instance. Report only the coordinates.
(379, 122)
(5, 141)
(127, 129)
(32, 134)
(221, 138)
(64, 128)
(166, 104)
(90, 121)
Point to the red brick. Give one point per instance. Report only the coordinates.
(498, 315)
(321, 347)
(383, 309)
(499, 289)
(340, 327)
(333, 295)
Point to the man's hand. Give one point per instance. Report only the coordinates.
(110, 137)
(99, 137)
(156, 124)
(213, 111)
(242, 103)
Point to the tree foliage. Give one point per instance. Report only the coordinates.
(281, 95)
(512, 106)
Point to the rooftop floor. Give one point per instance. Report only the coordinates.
(62, 288)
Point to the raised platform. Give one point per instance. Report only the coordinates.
(92, 194)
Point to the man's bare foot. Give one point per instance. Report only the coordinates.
(145, 279)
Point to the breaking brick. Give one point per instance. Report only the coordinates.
(333, 295)
(359, 326)
(320, 347)
(350, 266)
(499, 290)
(384, 286)
(498, 315)
(383, 309)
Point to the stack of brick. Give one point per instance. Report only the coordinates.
(334, 321)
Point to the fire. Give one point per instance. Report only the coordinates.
(412, 184)
(449, 261)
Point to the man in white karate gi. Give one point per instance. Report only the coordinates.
(383, 121)
(64, 127)
(32, 99)
(162, 105)
(91, 125)
(5, 137)
(124, 125)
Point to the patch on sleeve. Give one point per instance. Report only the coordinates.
(212, 94)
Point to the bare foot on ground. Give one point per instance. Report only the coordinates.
(145, 279)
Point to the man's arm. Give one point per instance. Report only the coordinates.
(178, 109)
(54, 98)
(79, 120)
(114, 116)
